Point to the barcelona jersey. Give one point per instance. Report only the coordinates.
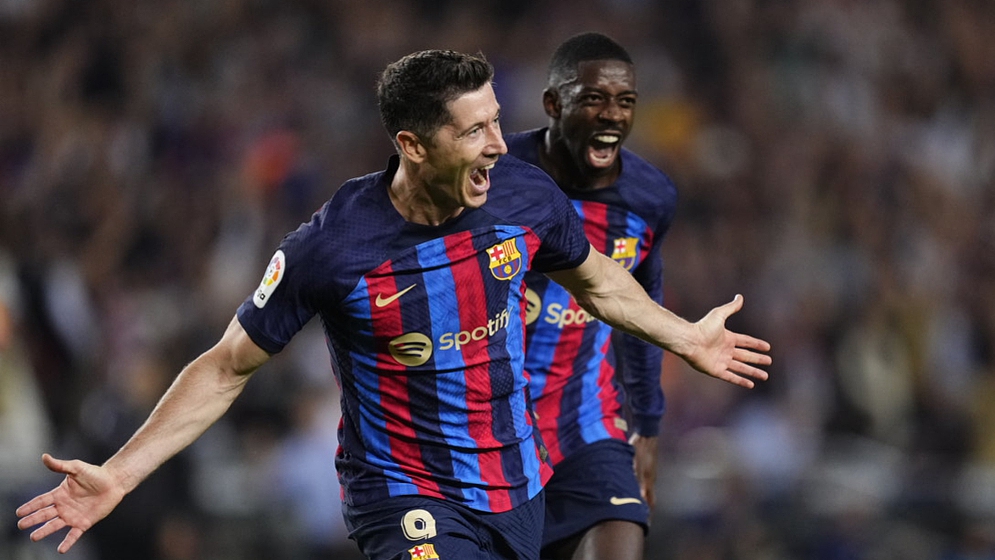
(571, 358)
(426, 329)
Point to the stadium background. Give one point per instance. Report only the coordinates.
(835, 160)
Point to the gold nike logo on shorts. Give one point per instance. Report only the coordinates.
(616, 501)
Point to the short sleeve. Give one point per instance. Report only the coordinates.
(281, 305)
(563, 242)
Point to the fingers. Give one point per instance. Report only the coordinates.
(58, 465)
(733, 306)
(739, 373)
(746, 370)
(46, 499)
(30, 518)
(730, 377)
(649, 497)
(53, 526)
(33, 506)
(747, 341)
(744, 340)
(70, 540)
(748, 357)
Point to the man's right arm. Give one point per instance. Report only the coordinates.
(608, 291)
(198, 397)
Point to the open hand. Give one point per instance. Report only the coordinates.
(85, 496)
(726, 355)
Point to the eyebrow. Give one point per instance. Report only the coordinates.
(467, 130)
(586, 89)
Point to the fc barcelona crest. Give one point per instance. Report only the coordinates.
(624, 251)
(505, 260)
(423, 552)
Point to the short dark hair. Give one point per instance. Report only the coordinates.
(582, 48)
(413, 92)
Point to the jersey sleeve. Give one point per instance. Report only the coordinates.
(282, 304)
(564, 244)
(639, 361)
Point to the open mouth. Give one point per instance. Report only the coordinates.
(480, 179)
(603, 149)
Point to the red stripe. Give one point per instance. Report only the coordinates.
(472, 303)
(647, 243)
(386, 321)
(338, 451)
(560, 371)
(547, 410)
(532, 243)
(545, 471)
(596, 225)
(608, 396)
(394, 398)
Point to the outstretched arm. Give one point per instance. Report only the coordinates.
(197, 398)
(607, 291)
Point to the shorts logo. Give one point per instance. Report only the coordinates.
(275, 272)
(505, 260)
(411, 349)
(624, 251)
(423, 552)
(616, 501)
(418, 524)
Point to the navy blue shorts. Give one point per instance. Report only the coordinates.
(593, 484)
(422, 528)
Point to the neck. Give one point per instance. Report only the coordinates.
(412, 198)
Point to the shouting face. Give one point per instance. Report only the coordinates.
(462, 152)
(592, 114)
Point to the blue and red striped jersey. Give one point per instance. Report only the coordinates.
(571, 356)
(426, 328)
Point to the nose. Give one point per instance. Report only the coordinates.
(495, 142)
(612, 112)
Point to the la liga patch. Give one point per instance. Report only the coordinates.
(275, 272)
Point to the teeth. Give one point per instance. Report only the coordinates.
(606, 138)
(488, 167)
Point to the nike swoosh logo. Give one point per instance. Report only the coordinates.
(616, 501)
(382, 301)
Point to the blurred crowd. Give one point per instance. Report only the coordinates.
(836, 165)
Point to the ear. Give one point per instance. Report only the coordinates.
(551, 103)
(411, 146)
